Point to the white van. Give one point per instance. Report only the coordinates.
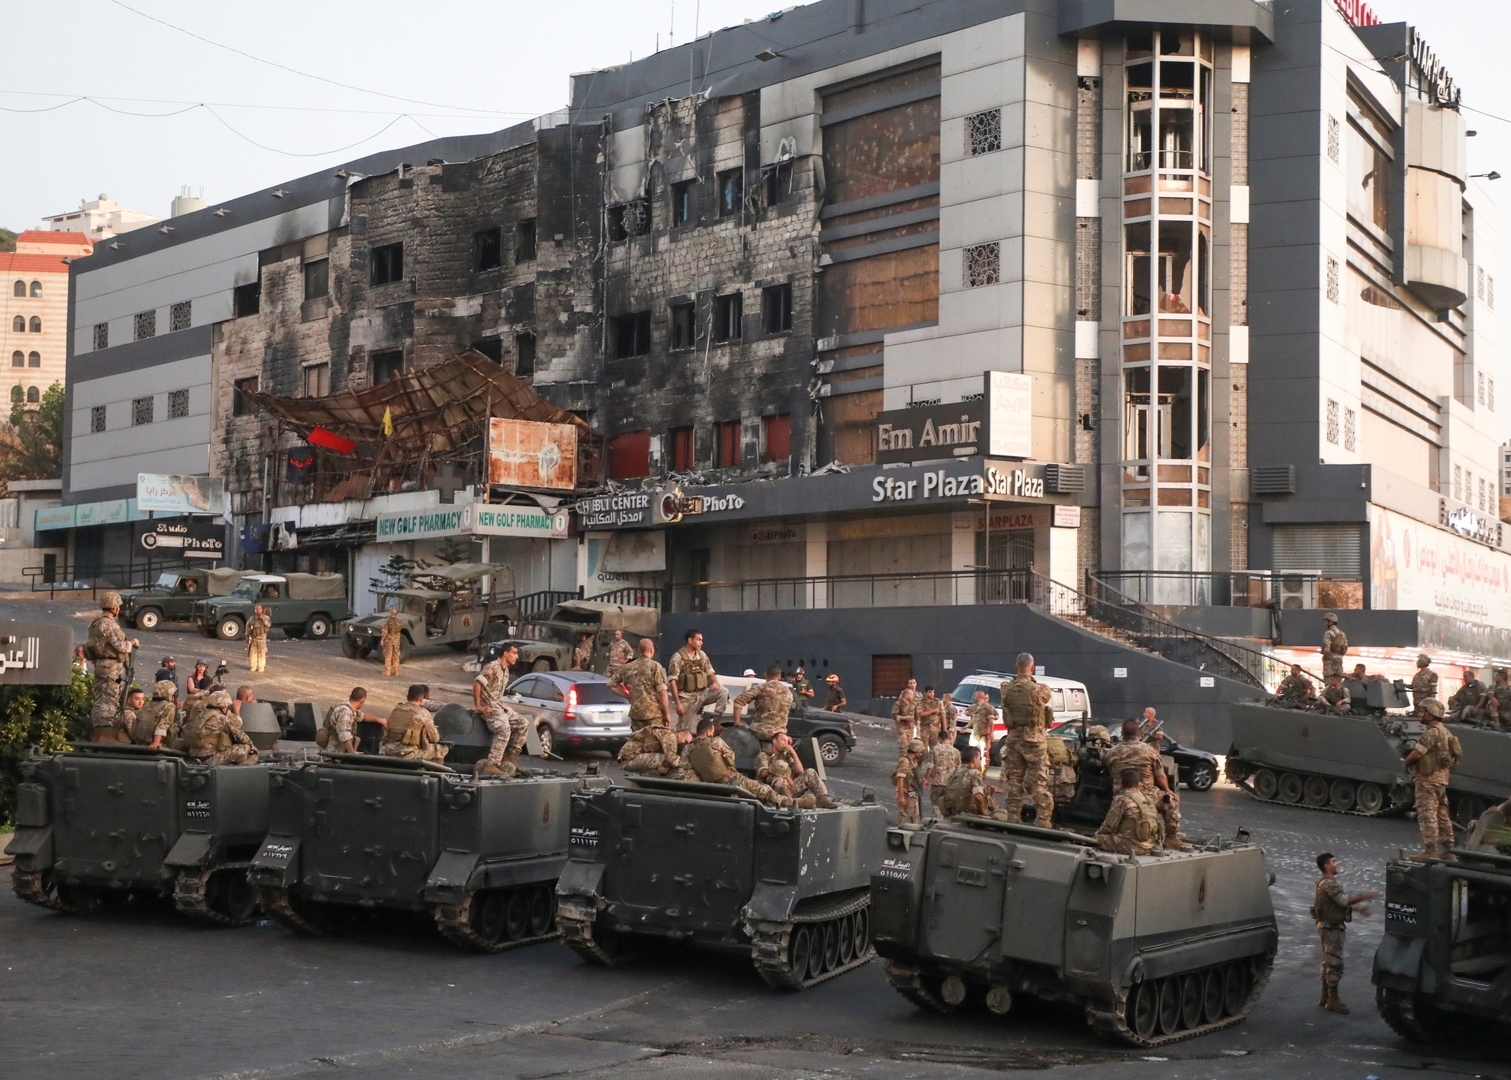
(1068, 700)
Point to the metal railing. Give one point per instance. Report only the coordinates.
(1237, 588)
(94, 579)
(538, 603)
(944, 588)
(632, 596)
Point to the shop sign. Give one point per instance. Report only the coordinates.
(490, 520)
(1468, 522)
(527, 453)
(673, 506)
(615, 510)
(1010, 414)
(1417, 566)
(173, 494)
(101, 513)
(929, 433)
(420, 524)
(781, 534)
(54, 517)
(1001, 521)
(938, 484)
(35, 653)
(1357, 12)
(193, 538)
(1067, 517)
(1436, 81)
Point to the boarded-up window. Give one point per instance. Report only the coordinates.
(729, 444)
(682, 449)
(776, 437)
(630, 455)
(890, 674)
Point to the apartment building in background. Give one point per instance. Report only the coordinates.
(34, 311)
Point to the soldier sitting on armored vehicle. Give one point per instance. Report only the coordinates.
(657, 750)
(1132, 825)
(1466, 699)
(1295, 690)
(218, 738)
(781, 770)
(1494, 708)
(411, 730)
(966, 791)
(157, 720)
(1132, 752)
(1334, 698)
(714, 762)
(773, 703)
(1361, 674)
(339, 730)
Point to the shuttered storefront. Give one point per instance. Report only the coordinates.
(1333, 550)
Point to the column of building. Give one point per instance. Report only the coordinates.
(1238, 310)
(1088, 279)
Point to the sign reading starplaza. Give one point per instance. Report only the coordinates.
(529, 454)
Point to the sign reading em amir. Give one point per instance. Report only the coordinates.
(529, 454)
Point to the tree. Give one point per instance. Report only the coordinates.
(7, 240)
(38, 718)
(31, 443)
(453, 549)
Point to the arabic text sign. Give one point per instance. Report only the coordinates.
(526, 453)
(166, 493)
(35, 653)
(1416, 566)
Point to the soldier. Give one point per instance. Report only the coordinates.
(391, 637)
(157, 721)
(1436, 755)
(782, 770)
(905, 715)
(257, 638)
(646, 682)
(411, 730)
(1294, 689)
(507, 725)
(218, 739)
(967, 792)
(714, 762)
(1424, 684)
(930, 717)
(1361, 674)
(1132, 824)
(1466, 699)
(1495, 706)
(1334, 910)
(657, 750)
(905, 777)
(944, 759)
(773, 704)
(802, 689)
(108, 648)
(582, 655)
(620, 653)
(694, 686)
(835, 700)
(136, 700)
(1334, 645)
(1025, 758)
(339, 730)
(1335, 698)
(1133, 753)
(983, 719)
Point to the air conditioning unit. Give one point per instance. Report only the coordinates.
(1296, 589)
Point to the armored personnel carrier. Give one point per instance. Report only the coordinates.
(479, 855)
(707, 864)
(107, 821)
(1483, 778)
(1154, 948)
(1445, 960)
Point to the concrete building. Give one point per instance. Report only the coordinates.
(100, 219)
(34, 310)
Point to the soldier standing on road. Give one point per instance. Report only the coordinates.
(802, 689)
(582, 656)
(905, 715)
(620, 653)
(930, 717)
(1424, 684)
(983, 720)
(1334, 645)
(835, 700)
(109, 650)
(1335, 697)
(657, 750)
(1436, 755)
(508, 726)
(1025, 757)
(1295, 688)
(906, 779)
(411, 730)
(694, 686)
(773, 704)
(1334, 910)
(257, 638)
(1132, 825)
(157, 721)
(1466, 699)
(714, 762)
(782, 770)
(944, 760)
(218, 739)
(392, 639)
(646, 681)
(1131, 752)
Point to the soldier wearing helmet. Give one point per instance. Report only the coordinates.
(1334, 645)
(907, 778)
(218, 738)
(157, 721)
(108, 648)
(1424, 684)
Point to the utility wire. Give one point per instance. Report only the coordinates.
(99, 99)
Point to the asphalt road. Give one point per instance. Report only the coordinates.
(141, 993)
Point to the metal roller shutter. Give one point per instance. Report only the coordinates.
(1335, 550)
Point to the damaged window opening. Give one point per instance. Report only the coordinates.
(776, 437)
(681, 442)
(729, 313)
(317, 279)
(1369, 169)
(317, 377)
(487, 249)
(731, 192)
(1136, 278)
(630, 334)
(388, 264)
(682, 203)
(492, 348)
(629, 219)
(1136, 426)
(241, 405)
(102, 335)
(778, 182)
(730, 444)
(683, 327)
(524, 355)
(629, 455)
(386, 366)
(97, 419)
(776, 308)
(524, 241)
(246, 300)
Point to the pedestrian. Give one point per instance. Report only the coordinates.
(694, 685)
(1131, 752)
(339, 730)
(621, 652)
(930, 717)
(905, 715)
(257, 638)
(199, 679)
(1294, 689)
(109, 650)
(1132, 825)
(773, 705)
(392, 639)
(1334, 645)
(835, 700)
(1437, 753)
(582, 655)
(645, 680)
(1424, 684)
(905, 778)
(1025, 757)
(507, 725)
(1333, 910)
(411, 731)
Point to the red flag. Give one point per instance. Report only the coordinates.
(331, 441)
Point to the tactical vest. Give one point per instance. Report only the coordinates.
(956, 798)
(400, 724)
(707, 762)
(1339, 644)
(1021, 708)
(1328, 911)
(692, 675)
(91, 650)
(203, 743)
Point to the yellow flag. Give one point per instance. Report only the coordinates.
(388, 421)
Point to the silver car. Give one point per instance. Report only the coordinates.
(573, 710)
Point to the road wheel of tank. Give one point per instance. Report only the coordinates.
(232, 895)
(846, 939)
(1291, 788)
(1169, 1005)
(148, 618)
(1468, 810)
(542, 910)
(831, 945)
(1315, 791)
(1211, 996)
(1235, 987)
(1203, 776)
(489, 920)
(1191, 1000)
(1369, 798)
(860, 932)
(1341, 795)
(1143, 1009)
(516, 914)
(228, 629)
(800, 950)
(1266, 783)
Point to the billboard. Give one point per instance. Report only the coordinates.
(526, 453)
(171, 494)
(192, 538)
(35, 653)
(930, 432)
(1416, 566)
(1010, 414)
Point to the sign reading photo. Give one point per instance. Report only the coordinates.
(193, 538)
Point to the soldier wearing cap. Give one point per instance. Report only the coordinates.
(1334, 646)
(906, 779)
(1424, 684)
(109, 650)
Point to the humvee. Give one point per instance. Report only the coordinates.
(446, 606)
(546, 643)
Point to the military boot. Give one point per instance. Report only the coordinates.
(1333, 1004)
(487, 768)
(823, 802)
(1176, 843)
(1424, 856)
(807, 802)
(1322, 1000)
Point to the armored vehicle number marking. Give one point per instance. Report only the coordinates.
(276, 851)
(583, 837)
(1401, 913)
(197, 808)
(900, 869)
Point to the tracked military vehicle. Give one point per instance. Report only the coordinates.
(1153, 948)
(707, 864)
(108, 821)
(481, 856)
(1483, 777)
(1445, 960)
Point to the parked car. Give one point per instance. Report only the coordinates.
(834, 732)
(1069, 700)
(173, 597)
(572, 710)
(1198, 769)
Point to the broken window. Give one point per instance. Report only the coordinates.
(729, 312)
(682, 203)
(983, 132)
(983, 265)
(102, 335)
(141, 411)
(246, 300)
(387, 263)
(1176, 136)
(1369, 170)
(524, 355)
(524, 240)
(97, 419)
(776, 308)
(681, 441)
(1174, 412)
(241, 404)
(730, 444)
(487, 249)
(1137, 427)
(317, 377)
(180, 316)
(630, 335)
(683, 333)
(629, 219)
(778, 182)
(629, 455)
(386, 366)
(178, 404)
(143, 324)
(776, 437)
(317, 279)
(492, 348)
(1136, 280)
(731, 192)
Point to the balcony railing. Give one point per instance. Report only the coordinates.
(95, 578)
(1238, 588)
(945, 588)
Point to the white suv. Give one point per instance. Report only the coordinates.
(1068, 700)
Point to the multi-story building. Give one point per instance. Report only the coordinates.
(100, 219)
(34, 310)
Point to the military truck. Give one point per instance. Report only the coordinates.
(1152, 948)
(546, 643)
(172, 599)
(444, 606)
(478, 855)
(301, 605)
(1443, 968)
(108, 820)
(714, 867)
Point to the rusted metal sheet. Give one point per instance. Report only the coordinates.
(523, 453)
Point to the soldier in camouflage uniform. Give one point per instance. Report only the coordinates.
(507, 725)
(694, 685)
(157, 721)
(657, 750)
(966, 791)
(411, 730)
(983, 720)
(905, 777)
(905, 715)
(714, 762)
(1335, 698)
(802, 689)
(781, 770)
(1495, 705)
(340, 725)
(391, 638)
(773, 704)
(646, 682)
(1424, 684)
(621, 652)
(218, 739)
(1025, 757)
(1132, 825)
(136, 700)
(1334, 645)
(944, 759)
(1132, 753)
(1333, 910)
(1466, 699)
(582, 656)
(257, 639)
(1295, 689)
(930, 717)
(1431, 763)
(109, 650)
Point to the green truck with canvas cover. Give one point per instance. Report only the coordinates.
(301, 605)
(1152, 948)
(444, 605)
(173, 598)
(106, 821)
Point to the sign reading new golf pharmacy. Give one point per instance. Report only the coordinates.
(480, 519)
